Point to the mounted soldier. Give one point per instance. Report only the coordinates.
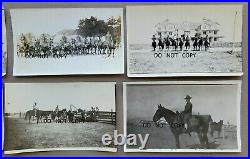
(181, 44)
(187, 113)
(108, 38)
(79, 44)
(154, 42)
(22, 46)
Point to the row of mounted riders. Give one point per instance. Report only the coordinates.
(199, 44)
(62, 116)
(63, 50)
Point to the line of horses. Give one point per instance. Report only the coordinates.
(45, 47)
(197, 123)
(180, 44)
(62, 115)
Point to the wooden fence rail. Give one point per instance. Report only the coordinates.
(106, 117)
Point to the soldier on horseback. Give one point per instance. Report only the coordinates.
(187, 111)
(154, 42)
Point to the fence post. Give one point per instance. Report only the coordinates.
(112, 118)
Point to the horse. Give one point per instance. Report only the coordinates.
(200, 43)
(167, 43)
(206, 44)
(29, 114)
(23, 46)
(216, 127)
(160, 44)
(154, 45)
(197, 123)
(174, 44)
(108, 45)
(36, 113)
(187, 44)
(181, 44)
(195, 44)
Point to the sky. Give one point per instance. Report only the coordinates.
(217, 100)
(141, 20)
(21, 97)
(38, 21)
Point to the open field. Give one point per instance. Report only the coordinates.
(162, 138)
(142, 60)
(19, 134)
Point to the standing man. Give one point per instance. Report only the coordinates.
(187, 111)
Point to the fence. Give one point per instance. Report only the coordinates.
(107, 117)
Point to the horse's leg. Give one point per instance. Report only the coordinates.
(205, 138)
(110, 51)
(29, 118)
(200, 135)
(200, 138)
(37, 119)
(212, 133)
(177, 141)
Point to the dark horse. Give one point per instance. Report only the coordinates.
(195, 44)
(197, 123)
(37, 113)
(160, 44)
(206, 44)
(216, 127)
(187, 44)
(200, 44)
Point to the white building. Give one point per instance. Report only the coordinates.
(206, 29)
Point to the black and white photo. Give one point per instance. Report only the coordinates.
(64, 41)
(58, 116)
(184, 40)
(178, 116)
(4, 44)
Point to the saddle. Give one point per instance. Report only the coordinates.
(192, 120)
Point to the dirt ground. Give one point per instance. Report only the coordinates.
(215, 60)
(19, 134)
(162, 138)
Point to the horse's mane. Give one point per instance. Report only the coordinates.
(168, 111)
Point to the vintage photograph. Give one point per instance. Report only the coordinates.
(58, 116)
(184, 40)
(66, 41)
(180, 116)
(4, 44)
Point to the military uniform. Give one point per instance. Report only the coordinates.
(187, 111)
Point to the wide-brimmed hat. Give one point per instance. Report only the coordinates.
(188, 97)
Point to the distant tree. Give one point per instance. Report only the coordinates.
(102, 28)
(90, 27)
(115, 28)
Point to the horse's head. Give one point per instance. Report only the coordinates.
(158, 114)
